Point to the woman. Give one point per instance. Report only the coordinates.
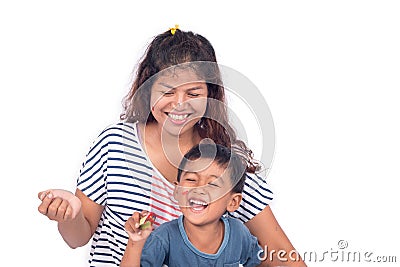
(176, 101)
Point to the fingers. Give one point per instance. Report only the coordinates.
(62, 209)
(143, 213)
(54, 208)
(136, 216)
(68, 213)
(132, 227)
(42, 194)
(132, 224)
(46, 198)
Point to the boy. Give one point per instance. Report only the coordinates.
(210, 181)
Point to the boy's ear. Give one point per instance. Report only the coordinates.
(235, 202)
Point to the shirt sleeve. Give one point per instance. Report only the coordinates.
(154, 252)
(255, 253)
(256, 196)
(92, 176)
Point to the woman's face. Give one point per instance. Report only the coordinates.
(178, 101)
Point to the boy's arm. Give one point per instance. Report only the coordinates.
(138, 235)
(132, 253)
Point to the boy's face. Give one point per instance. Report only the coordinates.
(204, 192)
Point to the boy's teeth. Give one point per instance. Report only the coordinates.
(198, 202)
(177, 117)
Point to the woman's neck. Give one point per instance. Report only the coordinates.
(166, 152)
(184, 141)
(206, 238)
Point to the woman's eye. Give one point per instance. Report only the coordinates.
(167, 93)
(193, 94)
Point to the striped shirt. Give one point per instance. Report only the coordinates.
(118, 175)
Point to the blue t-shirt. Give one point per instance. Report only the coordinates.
(169, 245)
(118, 174)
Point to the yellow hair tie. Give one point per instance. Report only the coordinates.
(173, 30)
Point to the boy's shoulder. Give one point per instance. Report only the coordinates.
(234, 222)
(237, 229)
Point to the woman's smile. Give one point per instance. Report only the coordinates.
(179, 119)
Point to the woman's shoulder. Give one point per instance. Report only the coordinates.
(120, 133)
(257, 182)
(129, 128)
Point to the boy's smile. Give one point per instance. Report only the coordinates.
(197, 205)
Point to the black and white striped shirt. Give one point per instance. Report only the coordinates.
(118, 174)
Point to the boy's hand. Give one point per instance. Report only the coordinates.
(59, 205)
(134, 229)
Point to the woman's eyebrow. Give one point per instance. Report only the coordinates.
(166, 85)
(173, 87)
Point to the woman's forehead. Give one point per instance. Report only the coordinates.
(178, 76)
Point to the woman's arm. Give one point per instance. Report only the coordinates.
(77, 215)
(78, 232)
(270, 235)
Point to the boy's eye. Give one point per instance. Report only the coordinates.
(189, 179)
(214, 185)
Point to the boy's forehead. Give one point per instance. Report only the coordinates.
(204, 166)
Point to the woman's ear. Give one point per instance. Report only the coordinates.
(234, 203)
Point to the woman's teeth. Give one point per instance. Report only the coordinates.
(177, 117)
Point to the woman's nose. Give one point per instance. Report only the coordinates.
(179, 100)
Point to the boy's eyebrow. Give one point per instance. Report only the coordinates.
(189, 172)
(217, 178)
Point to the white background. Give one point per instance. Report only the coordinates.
(329, 71)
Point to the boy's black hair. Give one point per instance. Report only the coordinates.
(224, 157)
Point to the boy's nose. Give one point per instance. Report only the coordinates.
(200, 189)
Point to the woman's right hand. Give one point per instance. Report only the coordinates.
(59, 205)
